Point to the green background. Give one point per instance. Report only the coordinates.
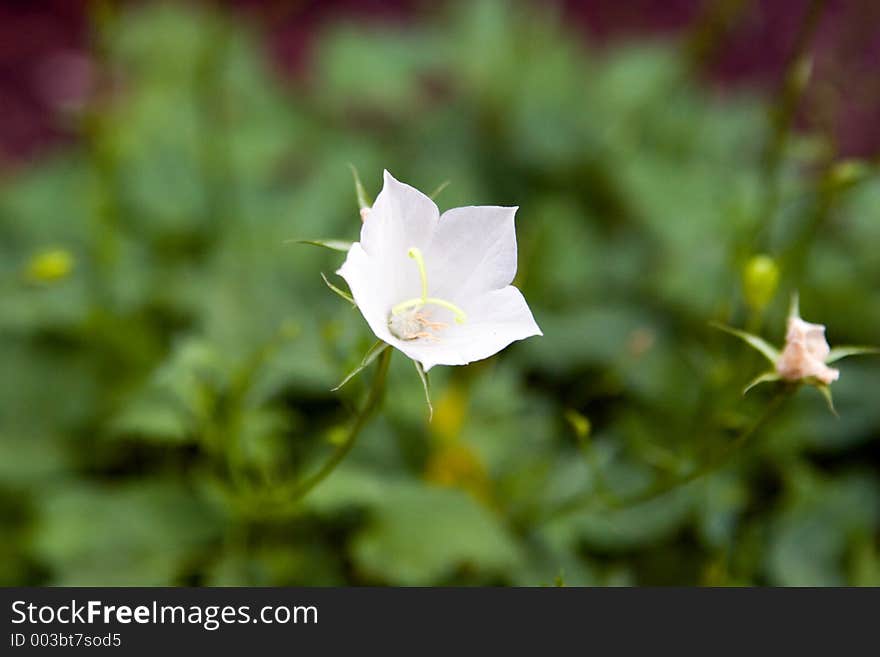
(166, 373)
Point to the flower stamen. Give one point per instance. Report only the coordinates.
(460, 316)
(407, 321)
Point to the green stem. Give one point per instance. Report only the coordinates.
(783, 115)
(714, 464)
(373, 399)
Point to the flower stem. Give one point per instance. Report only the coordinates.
(784, 112)
(661, 488)
(374, 397)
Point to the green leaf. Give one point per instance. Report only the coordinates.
(333, 245)
(634, 527)
(154, 420)
(340, 292)
(766, 377)
(363, 200)
(127, 534)
(423, 377)
(767, 350)
(839, 353)
(421, 534)
(820, 522)
(351, 486)
(368, 358)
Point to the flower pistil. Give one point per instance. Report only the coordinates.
(409, 321)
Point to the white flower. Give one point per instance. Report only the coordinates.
(805, 354)
(438, 287)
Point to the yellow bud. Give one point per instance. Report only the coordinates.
(337, 435)
(848, 172)
(50, 265)
(760, 280)
(580, 423)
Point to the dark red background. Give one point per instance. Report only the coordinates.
(44, 64)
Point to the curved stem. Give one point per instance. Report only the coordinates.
(373, 399)
(714, 464)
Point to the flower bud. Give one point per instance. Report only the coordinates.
(580, 423)
(847, 173)
(760, 280)
(805, 353)
(50, 265)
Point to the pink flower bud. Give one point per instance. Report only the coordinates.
(805, 352)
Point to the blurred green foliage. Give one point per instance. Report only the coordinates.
(167, 355)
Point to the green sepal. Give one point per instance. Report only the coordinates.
(794, 307)
(433, 195)
(842, 352)
(766, 377)
(825, 389)
(342, 293)
(372, 354)
(333, 245)
(767, 350)
(423, 377)
(364, 201)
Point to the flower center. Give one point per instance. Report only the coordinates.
(408, 320)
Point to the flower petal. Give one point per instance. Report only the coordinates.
(796, 363)
(812, 335)
(805, 352)
(495, 319)
(366, 280)
(473, 251)
(379, 271)
(373, 293)
(401, 217)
